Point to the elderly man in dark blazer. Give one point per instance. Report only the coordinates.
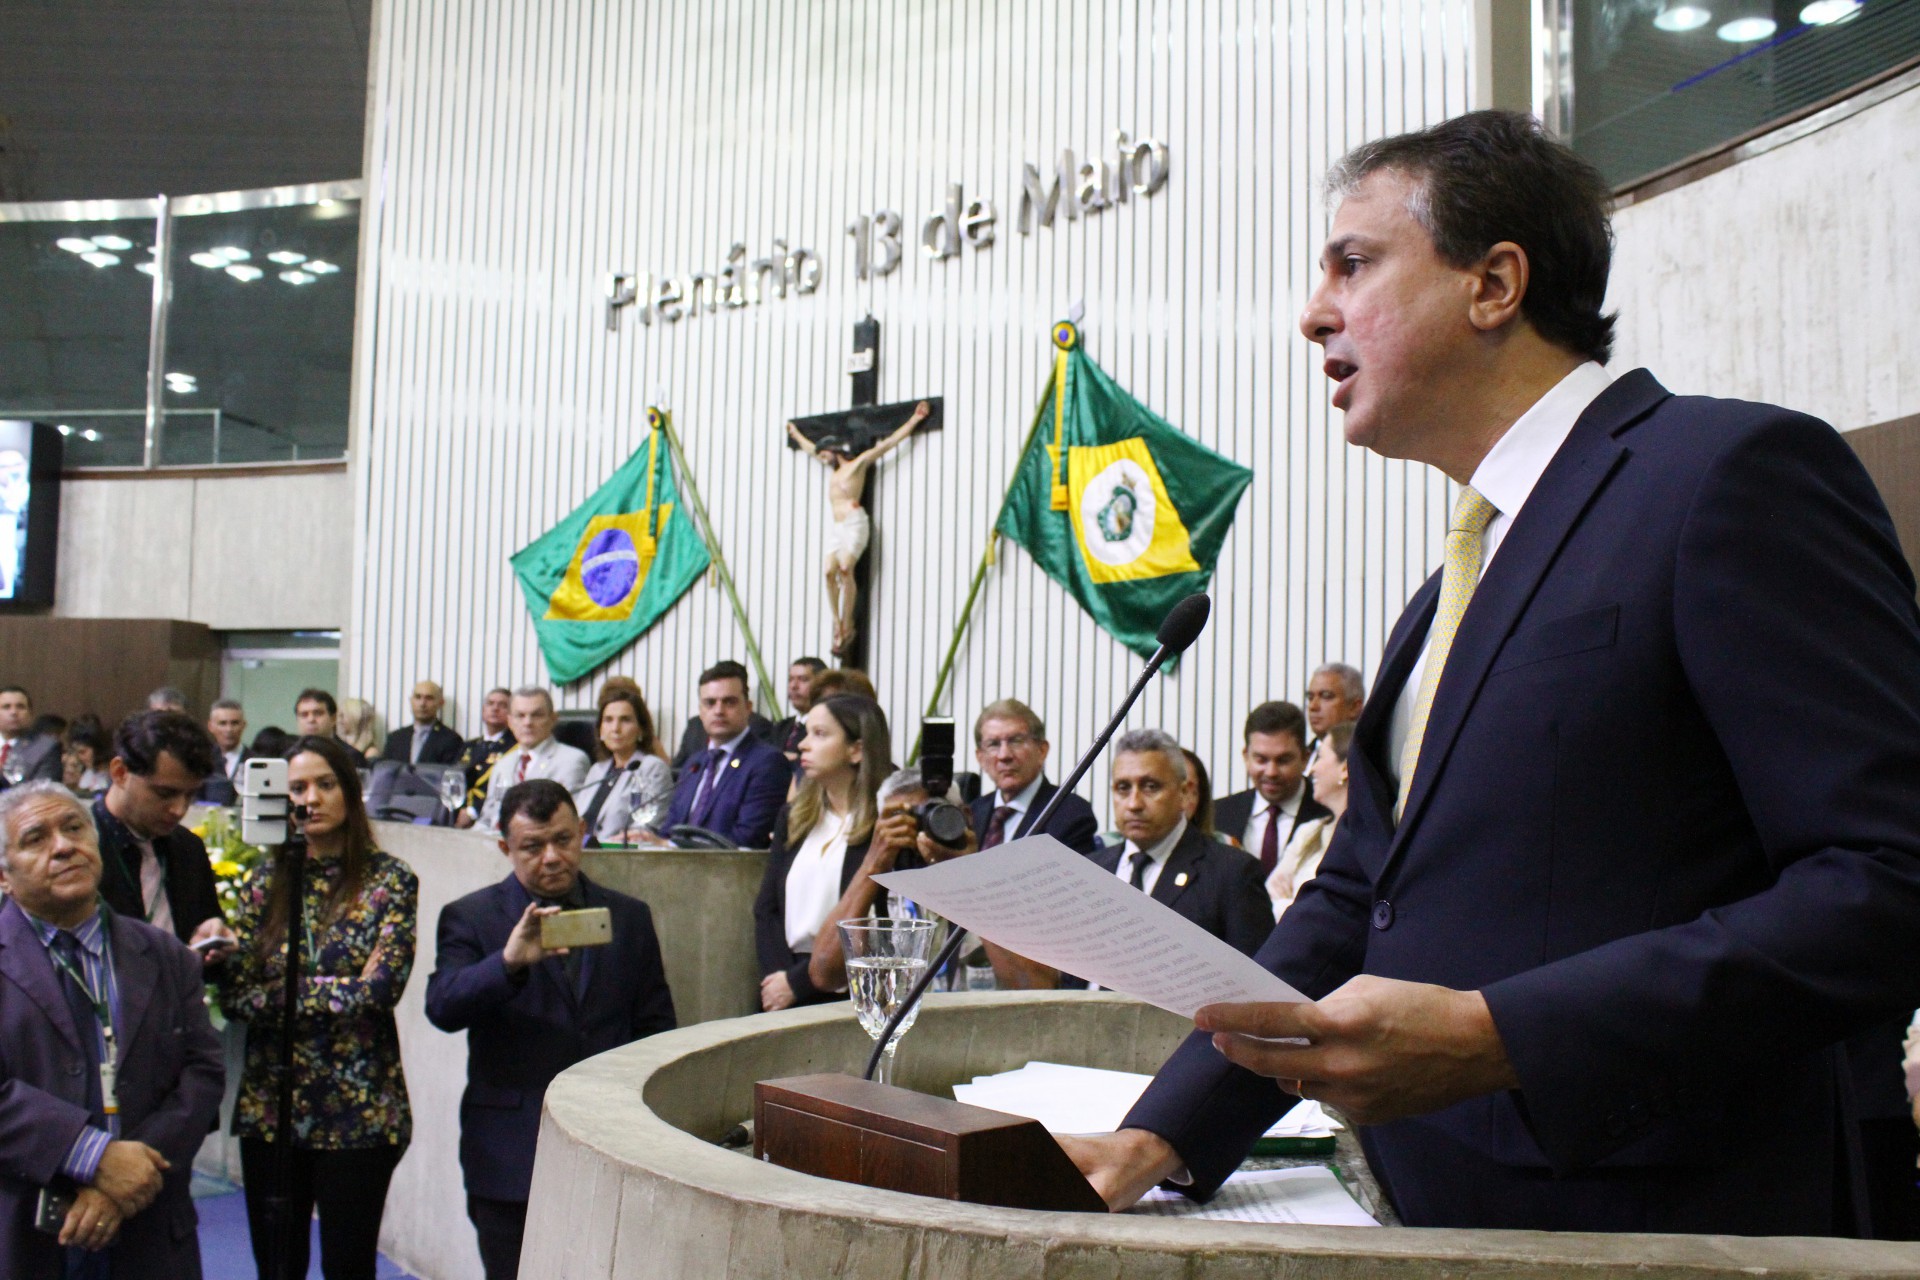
(529, 1013)
(82, 985)
(1630, 838)
(1010, 745)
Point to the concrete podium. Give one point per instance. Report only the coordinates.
(630, 1183)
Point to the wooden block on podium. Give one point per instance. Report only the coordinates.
(852, 1130)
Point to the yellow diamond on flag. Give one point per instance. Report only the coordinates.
(609, 568)
(1126, 525)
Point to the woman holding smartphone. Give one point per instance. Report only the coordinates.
(351, 1120)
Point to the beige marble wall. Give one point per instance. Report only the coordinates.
(240, 553)
(1792, 276)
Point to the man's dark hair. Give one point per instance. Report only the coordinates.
(1489, 176)
(538, 798)
(48, 724)
(726, 670)
(14, 688)
(813, 665)
(1276, 717)
(142, 736)
(320, 696)
(87, 731)
(271, 741)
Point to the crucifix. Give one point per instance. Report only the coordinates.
(848, 444)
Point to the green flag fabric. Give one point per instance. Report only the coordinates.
(597, 580)
(1120, 507)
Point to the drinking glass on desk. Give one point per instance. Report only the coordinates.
(453, 791)
(885, 957)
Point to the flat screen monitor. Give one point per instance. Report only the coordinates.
(29, 513)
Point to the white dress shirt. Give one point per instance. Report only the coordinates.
(1254, 837)
(1020, 802)
(1506, 477)
(813, 881)
(1159, 852)
(550, 758)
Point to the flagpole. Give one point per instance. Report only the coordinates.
(980, 572)
(770, 698)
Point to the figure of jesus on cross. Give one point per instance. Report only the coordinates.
(852, 527)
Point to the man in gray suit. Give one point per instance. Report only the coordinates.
(24, 754)
(110, 1073)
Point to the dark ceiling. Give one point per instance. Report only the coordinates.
(102, 99)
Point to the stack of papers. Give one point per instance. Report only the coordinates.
(1088, 1100)
(1305, 1197)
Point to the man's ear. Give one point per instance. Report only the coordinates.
(1500, 285)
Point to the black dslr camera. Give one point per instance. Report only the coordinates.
(945, 822)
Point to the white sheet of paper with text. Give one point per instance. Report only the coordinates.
(1040, 899)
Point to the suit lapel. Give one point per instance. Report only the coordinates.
(24, 960)
(1178, 875)
(135, 973)
(1577, 473)
(1040, 798)
(513, 900)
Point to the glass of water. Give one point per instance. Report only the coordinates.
(885, 957)
(453, 791)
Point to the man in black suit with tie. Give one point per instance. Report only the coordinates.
(153, 868)
(1010, 744)
(426, 741)
(1558, 980)
(1214, 885)
(26, 753)
(227, 725)
(530, 1013)
(1264, 816)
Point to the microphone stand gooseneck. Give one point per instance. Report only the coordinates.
(1179, 631)
(287, 1231)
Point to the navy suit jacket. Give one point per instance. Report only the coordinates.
(444, 746)
(752, 788)
(1072, 824)
(1664, 821)
(172, 1074)
(524, 1029)
(1216, 886)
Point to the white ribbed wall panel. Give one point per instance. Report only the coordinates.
(518, 153)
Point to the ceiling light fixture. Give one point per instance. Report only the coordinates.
(147, 267)
(211, 261)
(286, 257)
(1682, 16)
(1747, 29)
(321, 267)
(74, 244)
(232, 253)
(65, 430)
(118, 244)
(244, 273)
(296, 277)
(90, 435)
(1824, 13)
(100, 259)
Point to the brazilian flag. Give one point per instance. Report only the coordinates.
(598, 579)
(1120, 507)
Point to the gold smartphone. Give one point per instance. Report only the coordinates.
(588, 927)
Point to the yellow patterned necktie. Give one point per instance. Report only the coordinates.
(1466, 536)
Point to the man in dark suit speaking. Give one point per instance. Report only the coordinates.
(1631, 838)
(529, 1013)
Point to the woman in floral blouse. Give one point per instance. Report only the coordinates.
(350, 1117)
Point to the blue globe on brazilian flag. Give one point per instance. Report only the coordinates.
(1117, 505)
(597, 580)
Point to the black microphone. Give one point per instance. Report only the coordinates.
(1182, 626)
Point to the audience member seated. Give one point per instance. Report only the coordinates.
(495, 740)
(357, 927)
(315, 714)
(1301, 858)
(356, 728)
(426, 741)
(153, 868)
(819, 843)
(788, 732)
(1217, 887)
(536, 753)
(898, 844)
(167, 698)
(227, 725)
(1010, 743)
(84, 766)
(24, 755)
(128, 1171)
(1335, 694)
(694, 736)
(1199, 810)
(735, 788)
(838, 680)
(627, 781)
(627, 684)
(1266, 815)
(270, 743)
(530, 1013)
(48, 725)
